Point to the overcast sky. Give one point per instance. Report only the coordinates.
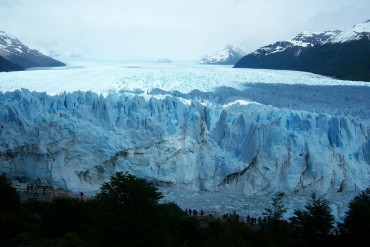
(175, 29)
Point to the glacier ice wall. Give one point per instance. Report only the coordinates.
(78, 140)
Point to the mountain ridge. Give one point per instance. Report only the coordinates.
(339, 54)
(16, 56)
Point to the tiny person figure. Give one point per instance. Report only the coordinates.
(81, 195)
(52, 194)
(35, 193)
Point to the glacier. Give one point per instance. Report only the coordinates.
(226, 137)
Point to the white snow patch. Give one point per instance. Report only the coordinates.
(239, 102)
(353, 33)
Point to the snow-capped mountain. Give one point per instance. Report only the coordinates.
(228, 56)
(341, 54)
(357, 32)
(16, 53)
(299, 42)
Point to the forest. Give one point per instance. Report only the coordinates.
(127, 212)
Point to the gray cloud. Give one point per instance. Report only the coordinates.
(348, 16)
(181, 29)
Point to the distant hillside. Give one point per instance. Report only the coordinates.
(17, 56)
(228, 56)
(6, 65)
(343, 55)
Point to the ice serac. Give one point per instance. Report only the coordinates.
(78, 140)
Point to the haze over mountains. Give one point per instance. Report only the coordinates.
(15, 56)
(340, 54)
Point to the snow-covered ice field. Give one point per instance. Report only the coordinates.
(279, 88)
(209, 85)
(104, 77)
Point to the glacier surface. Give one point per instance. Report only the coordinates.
(245, 133)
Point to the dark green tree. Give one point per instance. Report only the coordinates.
(10, 221)
(129, 212)
(277, 209)
(275, 231)
(9, 199)
(357, 220)
(315, 223)
(64, 215)
(70, 240)
(128, 191)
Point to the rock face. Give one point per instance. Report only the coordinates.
(78, 140)
(16, 56)
(6, 65)
(344, 55)
(228, 56)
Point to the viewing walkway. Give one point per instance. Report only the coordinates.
(45, 193)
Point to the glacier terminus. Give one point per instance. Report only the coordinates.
(203, 129)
